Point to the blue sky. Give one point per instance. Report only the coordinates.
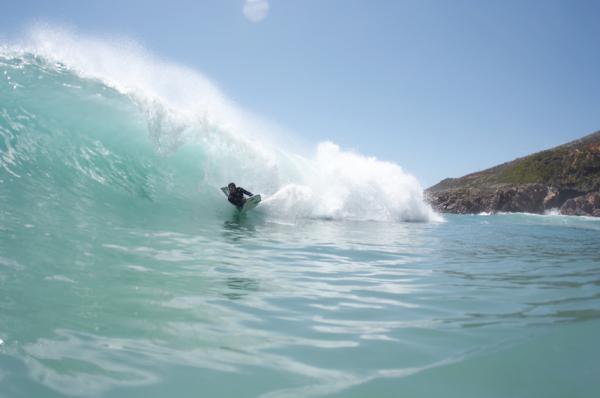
(442, 88)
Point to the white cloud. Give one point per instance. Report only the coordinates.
(256, 10)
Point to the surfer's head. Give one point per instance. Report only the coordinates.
(231, 187)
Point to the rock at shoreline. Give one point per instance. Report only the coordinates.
(586, 205)
(525, 198)
(532, 198)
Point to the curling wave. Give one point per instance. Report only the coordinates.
(99, 125)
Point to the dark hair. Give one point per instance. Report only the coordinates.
(231, 184)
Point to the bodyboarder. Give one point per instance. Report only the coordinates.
(236, 195)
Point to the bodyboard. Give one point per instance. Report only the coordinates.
(251, 202)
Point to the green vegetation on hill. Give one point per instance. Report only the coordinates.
(574, 166)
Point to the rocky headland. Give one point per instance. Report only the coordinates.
(565, 179)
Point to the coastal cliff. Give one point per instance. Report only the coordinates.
(565, 178)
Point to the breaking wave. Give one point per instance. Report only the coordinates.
(99, 126)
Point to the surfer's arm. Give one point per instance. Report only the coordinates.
(246, 192)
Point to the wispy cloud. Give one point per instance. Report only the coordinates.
(256, 10)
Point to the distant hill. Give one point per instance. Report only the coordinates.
(534, 183)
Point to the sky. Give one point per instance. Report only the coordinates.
(442, 88)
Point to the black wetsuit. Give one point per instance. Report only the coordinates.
(237, 198)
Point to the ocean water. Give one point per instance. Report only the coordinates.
(125, 273)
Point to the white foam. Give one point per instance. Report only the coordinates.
(345, 185)
(59, 278)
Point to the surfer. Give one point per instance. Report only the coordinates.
(236, 195)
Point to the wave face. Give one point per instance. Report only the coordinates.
(98, 129)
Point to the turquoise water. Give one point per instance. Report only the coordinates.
(124, 273)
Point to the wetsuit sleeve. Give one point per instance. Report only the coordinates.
(246, 192)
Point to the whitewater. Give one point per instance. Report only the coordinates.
(124, 272)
